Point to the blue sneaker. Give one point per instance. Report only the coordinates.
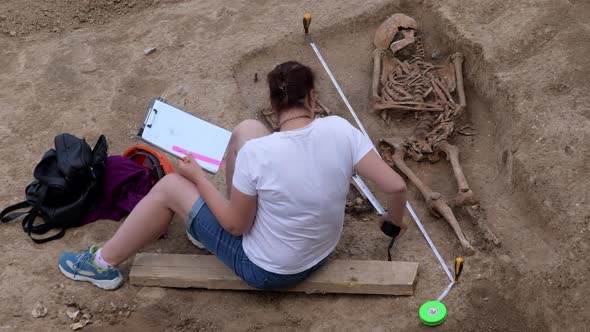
(82, 267)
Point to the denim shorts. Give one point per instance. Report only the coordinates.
(202, 225)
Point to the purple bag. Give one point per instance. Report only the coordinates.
(124, 184)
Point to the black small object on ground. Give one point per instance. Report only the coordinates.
(391, 230)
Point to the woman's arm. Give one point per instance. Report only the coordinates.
(372, 167)
(235, 215)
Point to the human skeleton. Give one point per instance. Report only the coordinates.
(404, 81)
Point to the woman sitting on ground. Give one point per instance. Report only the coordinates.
(283, 211)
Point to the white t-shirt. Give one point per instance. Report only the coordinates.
(301, 178)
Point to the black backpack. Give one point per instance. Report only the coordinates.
(67, 183)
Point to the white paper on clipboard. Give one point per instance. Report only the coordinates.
(175, 131)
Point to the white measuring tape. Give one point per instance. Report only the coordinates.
(436, 253)
(364, 187)
(357, 179)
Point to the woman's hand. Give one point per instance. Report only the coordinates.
(190, 169)
(399, 223)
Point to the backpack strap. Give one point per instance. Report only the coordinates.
(5, 217)
(28, 222)
(40, 229)
(389, 249)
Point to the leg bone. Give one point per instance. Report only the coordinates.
(434, 201)
(478, 218)
(457, 59)
(445, 211)
(376, 73)
(408, 106)
(464, 195)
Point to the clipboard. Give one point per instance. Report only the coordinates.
(177, 132)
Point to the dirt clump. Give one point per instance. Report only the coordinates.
(22, 17)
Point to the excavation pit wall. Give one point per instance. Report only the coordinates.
(347, 49)
(498, 166)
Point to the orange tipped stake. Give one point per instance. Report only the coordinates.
(458, 268)
(306, 22)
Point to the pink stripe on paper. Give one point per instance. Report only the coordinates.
(199, 156)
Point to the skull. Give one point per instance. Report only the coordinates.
(386, 34)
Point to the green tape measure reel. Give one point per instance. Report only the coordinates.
(433, 313)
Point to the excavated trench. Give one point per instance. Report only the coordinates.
(347, 48)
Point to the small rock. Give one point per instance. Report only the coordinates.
(358, 201)
(131, 4)
(39, 310)
(88, 68)
(436, 54)
(12, 33)
(79, 325)
(87, 316)
(96, 307)
(505, 259)
(73, 315)
(366, 219)
(569, 150)
(149, 50)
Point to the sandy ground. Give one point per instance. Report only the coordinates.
(79, 67)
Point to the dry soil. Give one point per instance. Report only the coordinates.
(79, 67)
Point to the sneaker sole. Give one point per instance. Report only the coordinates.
(195, 242)
(103, 284)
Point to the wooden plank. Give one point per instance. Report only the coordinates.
(336, 276)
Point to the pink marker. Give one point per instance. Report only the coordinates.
(199, 156)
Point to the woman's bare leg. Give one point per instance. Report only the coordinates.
(246, 130)
(172, 194)
(151, 217)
